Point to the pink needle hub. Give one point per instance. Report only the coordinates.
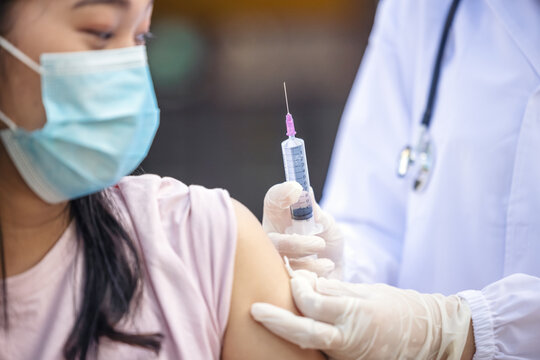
(289, 119)
(290, 125)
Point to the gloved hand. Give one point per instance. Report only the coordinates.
(328, 245)
(360, 321)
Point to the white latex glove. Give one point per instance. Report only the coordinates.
(360, 321)
(328, 245)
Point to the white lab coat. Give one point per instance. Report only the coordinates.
(477, 224)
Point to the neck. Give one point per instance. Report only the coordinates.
(30, 227)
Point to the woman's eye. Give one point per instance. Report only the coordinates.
(102, 35)
(142, 39)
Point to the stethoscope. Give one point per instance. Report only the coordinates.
(422, 155)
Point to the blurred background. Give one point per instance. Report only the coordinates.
(219, 67)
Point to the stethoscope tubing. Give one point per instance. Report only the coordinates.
(432, 95)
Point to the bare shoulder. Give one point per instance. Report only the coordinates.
(259, 275)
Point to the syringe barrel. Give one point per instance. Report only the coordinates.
(296, 169)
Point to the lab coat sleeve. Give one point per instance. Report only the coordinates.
(506, 318)
(362, 190)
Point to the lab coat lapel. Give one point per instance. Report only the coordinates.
(522, 21)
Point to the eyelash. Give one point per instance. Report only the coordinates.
(105, 36)
(101, 35)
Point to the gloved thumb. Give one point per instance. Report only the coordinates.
(277, 202)
(282, 196)
(304, 332)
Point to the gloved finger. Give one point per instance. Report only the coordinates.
(317, 211)
(332, 287)
(324, 219)
(294, 246)
(330, 229)
(317, 306)
(281, 196)
(309, 276)
(304, 332)
(321, 267)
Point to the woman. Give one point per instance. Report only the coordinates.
(140, 270)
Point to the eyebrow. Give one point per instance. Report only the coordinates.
(120, 3)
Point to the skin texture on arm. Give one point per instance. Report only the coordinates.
(259, 275)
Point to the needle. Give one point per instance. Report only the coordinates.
(286, 97)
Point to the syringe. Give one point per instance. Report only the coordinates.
(296, 169)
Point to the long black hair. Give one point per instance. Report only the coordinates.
(113, 273)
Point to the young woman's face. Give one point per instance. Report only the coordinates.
(48, 26)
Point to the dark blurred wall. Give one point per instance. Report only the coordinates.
(219, 67)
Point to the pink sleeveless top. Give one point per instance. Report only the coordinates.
(187, 238)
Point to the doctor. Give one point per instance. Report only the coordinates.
(465, 217)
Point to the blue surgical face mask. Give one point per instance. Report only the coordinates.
(102, 116)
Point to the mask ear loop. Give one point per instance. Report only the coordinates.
(22, 57)
(25, 59)
(10, 124)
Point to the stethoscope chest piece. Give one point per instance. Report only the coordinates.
(419, 160)
(404, 162)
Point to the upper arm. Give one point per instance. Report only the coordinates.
(259, 276)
